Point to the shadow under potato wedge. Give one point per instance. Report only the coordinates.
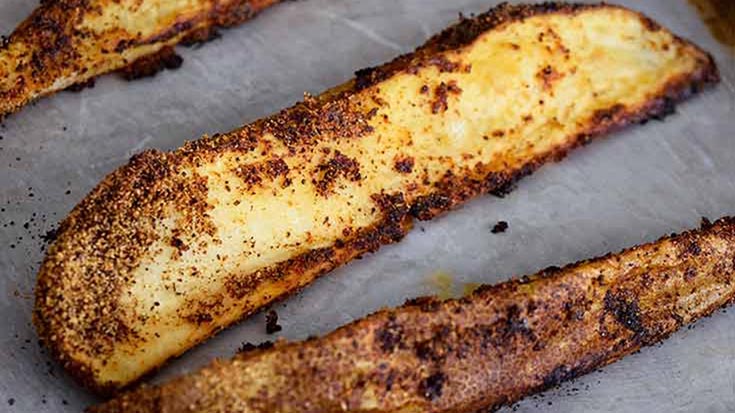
(176, 246)
(485, 350)
(66, 43)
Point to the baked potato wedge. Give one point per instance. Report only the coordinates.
(483, 351)
(66, 43)
(175, 246)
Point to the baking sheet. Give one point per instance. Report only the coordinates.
(630, 188)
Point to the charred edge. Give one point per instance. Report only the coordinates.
(240, 286)
(195, 30)
(562, 373)
(80, 372)
(78, 87)
(457, 36)
(248, 347)
(425, 304)
(557, 376)
(393, 228)
(149, 66)
(146, 170)
(456, 189)
(310, 121)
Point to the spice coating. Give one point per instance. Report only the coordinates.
(485, 350)
(70, 42)
(173, 247)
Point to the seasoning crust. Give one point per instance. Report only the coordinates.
(477, 353)
(67, 43)
(175, 246)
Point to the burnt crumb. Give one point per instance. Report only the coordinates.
(149, 66)
(338, 166)
(404, 165)
(199, 37)
(666, 107)
(441, 94)
(78, 87)
(426, 304)
(365, 78)
(500, 227)
(503, 190)
(625, 310)
(247, 347)
(271, 322)
(427, 206)
(11, 401)
(4, 41)
(431, 387)
(705, 223)
(558, 375)
(50, 235)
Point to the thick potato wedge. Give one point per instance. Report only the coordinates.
(69, 42)
(488, 349)
(173, 247)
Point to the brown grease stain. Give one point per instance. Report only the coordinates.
(443, 283)
(719, 16)
(445, 287)
(470, 288)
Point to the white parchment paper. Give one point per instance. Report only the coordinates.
(630, 188)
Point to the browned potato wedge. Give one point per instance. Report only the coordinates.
(486, 350)
(175, 246)
(69, 42)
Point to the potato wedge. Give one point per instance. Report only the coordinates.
(66, 43)
(483, 351)
(175, 246)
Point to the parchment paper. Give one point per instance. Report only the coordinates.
(630, 188)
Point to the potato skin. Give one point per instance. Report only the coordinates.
(483, 351)
(173, 247)
(67, 43)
